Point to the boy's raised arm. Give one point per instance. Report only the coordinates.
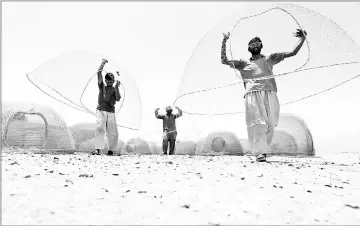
(117, 92)
(100, 79)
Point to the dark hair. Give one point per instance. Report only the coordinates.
(256, 39)
(109, 76)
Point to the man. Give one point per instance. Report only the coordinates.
(105, 114)
(261, 102)
(169, 128)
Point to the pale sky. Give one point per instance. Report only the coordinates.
(153, 41)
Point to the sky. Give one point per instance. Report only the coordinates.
(153, 41)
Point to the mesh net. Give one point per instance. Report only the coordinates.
(34, 126)
(292, 137)
(185, 147)
(139, 146)
(72, 80)
(328, 59)
(284, 143)
(219, 143)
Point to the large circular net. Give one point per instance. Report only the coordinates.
(328, 59)
(72, 80)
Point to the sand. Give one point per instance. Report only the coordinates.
(152, 189)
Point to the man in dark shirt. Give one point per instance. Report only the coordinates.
(169, 128)
(105, 111)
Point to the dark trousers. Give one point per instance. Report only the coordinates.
(172, 146)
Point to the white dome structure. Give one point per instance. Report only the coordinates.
(292, 137)
(30, 125)
(219, 143)
(185, 147)
(140, 147)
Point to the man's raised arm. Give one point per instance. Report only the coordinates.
(224, 60)
(180, 113)
(157, 114)
(302, 35)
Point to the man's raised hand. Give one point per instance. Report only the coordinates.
(300, 33)
(117, 84)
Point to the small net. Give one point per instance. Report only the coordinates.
(139, 147)
(329, 58)
(72, 80)
(34, 126)
(219, 143)
(284, 143)
(292, 137)
(185, 147)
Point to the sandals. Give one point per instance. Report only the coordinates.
(261, 158)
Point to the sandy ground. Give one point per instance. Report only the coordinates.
(143, 190)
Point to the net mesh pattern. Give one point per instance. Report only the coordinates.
(34, 126)
(219, 143)
(328, 59)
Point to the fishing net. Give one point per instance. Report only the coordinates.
(72, 80)
(328, 59)
(219, 143)
(185, 147)
(29, 125)
(292, 137)
(139, 146)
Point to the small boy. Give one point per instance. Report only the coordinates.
(169, 128)
(105, 114)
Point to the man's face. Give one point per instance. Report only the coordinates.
(255, 47)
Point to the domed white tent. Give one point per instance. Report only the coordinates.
(283, 143)
(185, 147)
(155, 148)
(30, 125)
(292, 137)
(140, 147)
(219, 143)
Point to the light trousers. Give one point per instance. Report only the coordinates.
(262, 116)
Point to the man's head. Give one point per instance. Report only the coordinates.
(109, 79)
(255, 45)
(168, 110)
